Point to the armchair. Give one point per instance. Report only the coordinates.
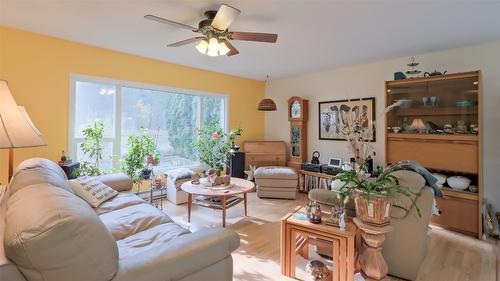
(405, 247)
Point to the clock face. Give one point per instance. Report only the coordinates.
(295, 109)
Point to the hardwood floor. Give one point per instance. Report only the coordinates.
(450, 257)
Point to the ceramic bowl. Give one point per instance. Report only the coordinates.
(473, 188)
(458, 182)
(441, 178)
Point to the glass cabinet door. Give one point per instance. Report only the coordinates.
(447, 106)
(295, 141)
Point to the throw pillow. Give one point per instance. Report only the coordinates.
(92, 190)
(179, 174)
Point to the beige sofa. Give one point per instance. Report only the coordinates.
(50, 234)
(404, 248)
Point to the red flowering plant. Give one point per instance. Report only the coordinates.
(213, 145)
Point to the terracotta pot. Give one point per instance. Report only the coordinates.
(376, 212)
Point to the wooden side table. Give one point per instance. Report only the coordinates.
(372, 262)
(68, 168)
(297, 234)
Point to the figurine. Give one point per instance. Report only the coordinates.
(461, 127)
(317, 270)
(313, 212)
(338, 216)
(342, 221)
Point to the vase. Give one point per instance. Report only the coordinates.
(376, 211)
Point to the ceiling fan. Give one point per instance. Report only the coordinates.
(215, 36)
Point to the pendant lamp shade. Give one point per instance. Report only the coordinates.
(267, 105)
(16, 128)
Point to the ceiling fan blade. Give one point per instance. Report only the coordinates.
(187, 41)
(232, 49)
(253, 36)
(225, 17)
(178, 24)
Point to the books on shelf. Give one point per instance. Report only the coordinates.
(312, 182)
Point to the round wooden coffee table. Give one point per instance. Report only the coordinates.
(218, 199)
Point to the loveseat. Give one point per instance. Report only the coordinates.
(48, 233)
(405, 247)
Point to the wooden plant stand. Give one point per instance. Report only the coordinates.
(372, 262)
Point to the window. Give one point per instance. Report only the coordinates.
(171, 117)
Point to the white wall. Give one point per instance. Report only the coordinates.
(368, 81)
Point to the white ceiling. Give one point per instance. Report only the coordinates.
(313, 35)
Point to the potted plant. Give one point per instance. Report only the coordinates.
(213, 145)
(135, 163)
(92, 148)
(372, 196)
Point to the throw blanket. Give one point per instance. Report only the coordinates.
(416, 167)
(179, 176)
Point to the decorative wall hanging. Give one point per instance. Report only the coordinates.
(333, 116)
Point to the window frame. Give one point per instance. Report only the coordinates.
(119, 85)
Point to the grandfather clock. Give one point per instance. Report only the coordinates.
(298, 110)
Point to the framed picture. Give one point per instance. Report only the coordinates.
(333, 117)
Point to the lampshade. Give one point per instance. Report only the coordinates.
(223, 49)
(267, 105)
(202, 46)
(16, 128)
(418, 125)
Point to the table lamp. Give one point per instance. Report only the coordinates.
(16, 128)
(419, 126)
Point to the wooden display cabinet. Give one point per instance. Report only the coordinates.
(440, 101)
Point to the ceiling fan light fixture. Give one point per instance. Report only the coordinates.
(202, 46)
(223, 49)
(213, 44)
(212, 53)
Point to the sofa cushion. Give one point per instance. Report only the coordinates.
(36, 171)
(92, 190)
(120, 201)
(128, 221)
(51, 234)
(149, 239)
(277, 182)
(275, 172)
(119, 181)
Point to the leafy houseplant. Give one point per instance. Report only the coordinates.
(139, 147)
(372, 196)
(93, 149)
(213, 145)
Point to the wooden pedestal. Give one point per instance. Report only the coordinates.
(371, 261)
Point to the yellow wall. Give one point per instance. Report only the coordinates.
(38, 67)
